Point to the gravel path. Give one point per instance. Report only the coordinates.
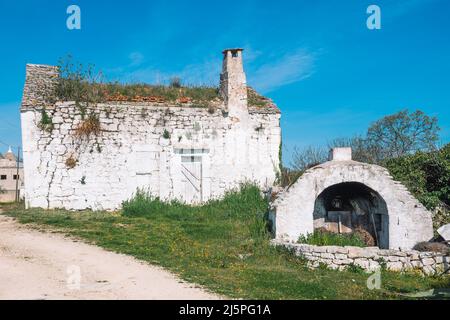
(38, 265)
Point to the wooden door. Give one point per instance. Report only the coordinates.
(191, 178)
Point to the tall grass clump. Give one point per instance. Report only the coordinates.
(244, 205)
(144, 203)
(324, 238)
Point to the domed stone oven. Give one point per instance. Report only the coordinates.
(344, 196)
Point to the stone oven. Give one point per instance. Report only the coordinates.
(345, 196)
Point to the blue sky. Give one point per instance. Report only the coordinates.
(329, 74)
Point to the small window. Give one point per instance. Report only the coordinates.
(3, 177)
(15, 177)
(235, 54)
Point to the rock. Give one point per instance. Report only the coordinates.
(327, 255)
(340, 256)
(428, 261)
(363, 263)
(336, 249)
(392, 258)
(355, 252)
(428, 270)
(394, 266)
(444, 232)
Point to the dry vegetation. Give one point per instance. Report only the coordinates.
(89, 126)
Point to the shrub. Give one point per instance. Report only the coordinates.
(71, 162)
(89, 126)
(427, 177)
(211, 109)
(46, 122)
(286, 177)
(355, 269)
(175, 82)
(166, 134)
(324, 238)
(79, 83)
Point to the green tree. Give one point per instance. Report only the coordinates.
(401, 134)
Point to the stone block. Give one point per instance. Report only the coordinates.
(444, 232)
(327, 255)
(340, 256)
(394, 266)
(337, 249)
(428, 270)
(427, 261)
(363, 263)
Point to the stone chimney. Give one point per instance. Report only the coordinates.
(233, 84)
(340, 154)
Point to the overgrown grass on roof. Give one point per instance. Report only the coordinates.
(167, 93)
(84, 84)
(257, 100)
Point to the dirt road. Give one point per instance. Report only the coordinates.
(37, 265)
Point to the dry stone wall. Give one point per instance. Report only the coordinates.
(369, 259)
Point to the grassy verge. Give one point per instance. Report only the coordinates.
(221, 245)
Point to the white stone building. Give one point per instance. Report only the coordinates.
(11, 177)
(173, 150)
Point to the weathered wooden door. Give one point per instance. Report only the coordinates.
(191, 178)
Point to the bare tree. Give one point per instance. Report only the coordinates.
(308, 157)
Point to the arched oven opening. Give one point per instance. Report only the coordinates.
(352, 207)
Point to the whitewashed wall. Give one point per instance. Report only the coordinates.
(131, 152)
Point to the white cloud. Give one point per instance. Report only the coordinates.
(136, 59)
(262, 75)
(290, 68)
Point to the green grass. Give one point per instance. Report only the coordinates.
(222, 246)
(321, 238)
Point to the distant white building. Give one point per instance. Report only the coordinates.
(174, 150)
(9, 177)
